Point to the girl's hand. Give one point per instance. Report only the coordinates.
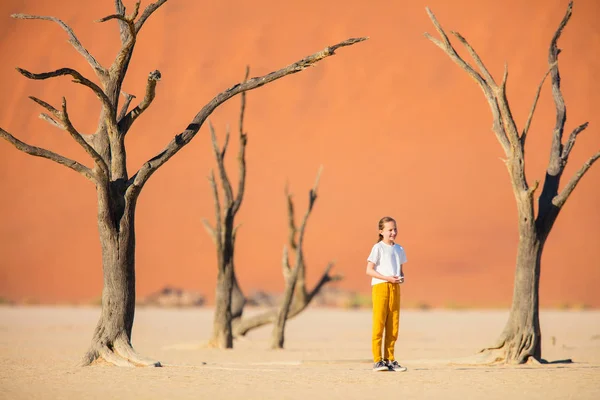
(394, 279)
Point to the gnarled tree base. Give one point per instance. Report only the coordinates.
(120, 354)
(521, 347)
(517, 346)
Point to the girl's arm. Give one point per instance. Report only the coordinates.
(374, 274)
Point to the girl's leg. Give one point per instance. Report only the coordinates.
(380, 311)
(393, 322)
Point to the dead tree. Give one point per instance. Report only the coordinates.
(117, 191)
(520, 340)
(229, 298)
(296, 296)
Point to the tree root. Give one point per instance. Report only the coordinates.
(514, 348)
(121, 354)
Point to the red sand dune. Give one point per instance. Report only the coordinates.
(399, 129)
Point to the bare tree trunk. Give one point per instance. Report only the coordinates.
(222, 332)
(112, 336)
(521, 337)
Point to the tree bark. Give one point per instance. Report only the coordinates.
(222, 333)
(112, 337)
(521, 338)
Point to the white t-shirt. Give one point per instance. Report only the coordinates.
(388, 260)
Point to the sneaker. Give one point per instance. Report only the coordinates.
(380, 366)
(394, 366)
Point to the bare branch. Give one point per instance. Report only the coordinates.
(120, 7)
(147, 13)
(123, 29)
(486, 74)
(532, 189)
(217, 203)
(40, 152)
(135, 12)
(51, 121)
(210, 230)
(298, 305)
(316, 185)
(509, 122)
(446, 46)
(57, 115)
(571, 142)
(242, 151)
(285, 263)
(119, 66)
(562, 197)
(243, 103)
(292, 230)
(234, 232)
(225, 142)
(99, 69)
(555, 165)
(120, 17)
(325, 278)
(312, 197)
(77, 78)
(227, 190)
(296, 274)
(47, 106)
(533, 106)
(123, 112)
(182, 139)
(126, 122)
(80, 140)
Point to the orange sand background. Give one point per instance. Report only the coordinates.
(399, 129)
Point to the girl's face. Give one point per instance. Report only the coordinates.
(389, 232)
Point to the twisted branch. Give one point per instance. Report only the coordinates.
(117, 68)
(296, 271)
(77, 78)
(488, 91)
(123, 112)
(555, 166)
(65, 124)
(227, 190)
(126, 121)
(571, 142)
(242, 151)
(147, 13)
(217, 232)
(99, 69)
(533, 106)
(562, 197)
(50, 155)
(182, 139)
(80, 140)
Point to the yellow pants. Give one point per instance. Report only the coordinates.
(386, 315)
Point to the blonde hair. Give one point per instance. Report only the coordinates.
(382, 222)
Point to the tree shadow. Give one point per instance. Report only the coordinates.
(565, 361)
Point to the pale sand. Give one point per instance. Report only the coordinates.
(327, 356)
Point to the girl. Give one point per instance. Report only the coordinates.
(384, 266)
